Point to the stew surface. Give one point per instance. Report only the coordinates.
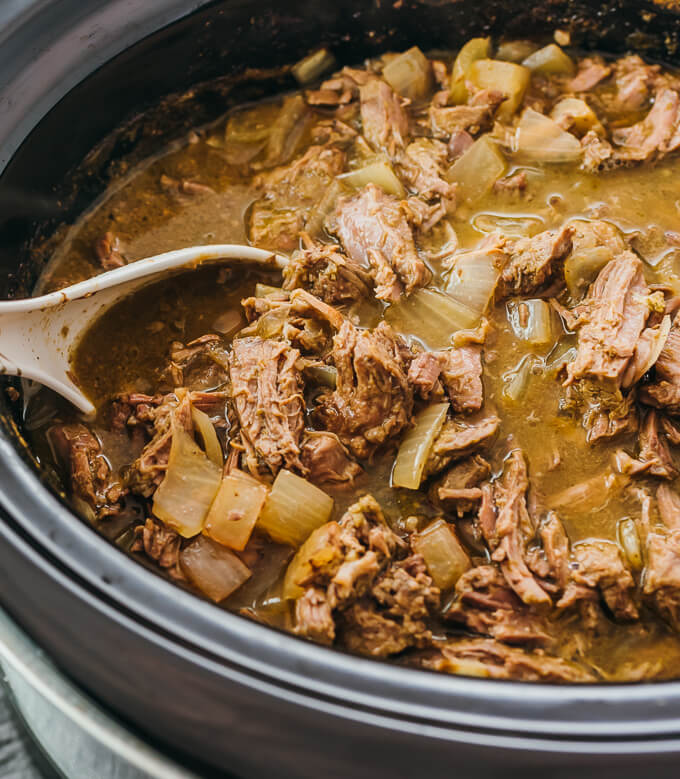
(446, 434)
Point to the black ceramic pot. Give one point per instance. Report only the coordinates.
(225, 693)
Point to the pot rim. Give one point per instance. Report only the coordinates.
(392, 696)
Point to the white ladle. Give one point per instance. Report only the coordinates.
(37, 334)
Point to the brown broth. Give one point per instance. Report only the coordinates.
(149, 220)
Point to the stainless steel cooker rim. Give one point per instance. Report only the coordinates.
(636, 717)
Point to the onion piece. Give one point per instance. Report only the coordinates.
(206, 430)
(550, 60)
(229, 323)
(478, 169)
(473, 280)
(515, 51)
(379, 173)
(416, 445)
(572, 113)
(506, 77)
(444, 556)
(188, 488)
(325, 375)
(310, 68)
(267, 291)
(294, 508)
(430, 316)
(629, 541)
(409, 74)
(582, 266)
(213, 568)
(474, 49)
(516, 381)
(235, 510)
(312, 555)
(531, 320)
(543, 140)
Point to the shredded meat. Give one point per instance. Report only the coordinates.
(489, 658)
(290, 194)
(598, 571)
(664, 391)
(394, 616)
(457, 371)
(532, 262)
(326, 460)
(267, 393)
(423, 166)
(328, 274)
(508, 528)
(384, 120)
(447, 120)
(357, 590)
(662, 578)
(457, 439)
(610, 321)
(373, 401)
(374, 231)
(591, 71)
(656, 135)
(88, 471)
(458, 490)
(486, 605)
(147, 471)
(161, 544)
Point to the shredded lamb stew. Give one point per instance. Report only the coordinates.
(447, 432)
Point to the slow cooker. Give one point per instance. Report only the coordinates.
(222, 694)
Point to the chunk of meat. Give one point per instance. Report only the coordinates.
(461, 375)
(423, 166)
(302, 319)
(148, 470)
(591, 71)
(459, 142)
(160, 544)
(198, 365)
(372, 221)
(654, 457)
(654, 136)
(423, 375)
(486, 657)
(458, 439)
(326, 460)
(346, 569)
(598, 571)
(664, 391)
(88, 472)
(447, 120)
(598, 153)
(515, 183)
(328, 274)
(608, 414)
(458, 490)
(662, 577)
(289, 196)
(267, 394)
(184, 188)
(457, 371)
(508, 528)
(634, 80)
(534, 261)
(610, 321)
(373, 401)
(485, 604)
(341, 89)
(314, 617)
(383, 118)
(109, 251)
(394, 617)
